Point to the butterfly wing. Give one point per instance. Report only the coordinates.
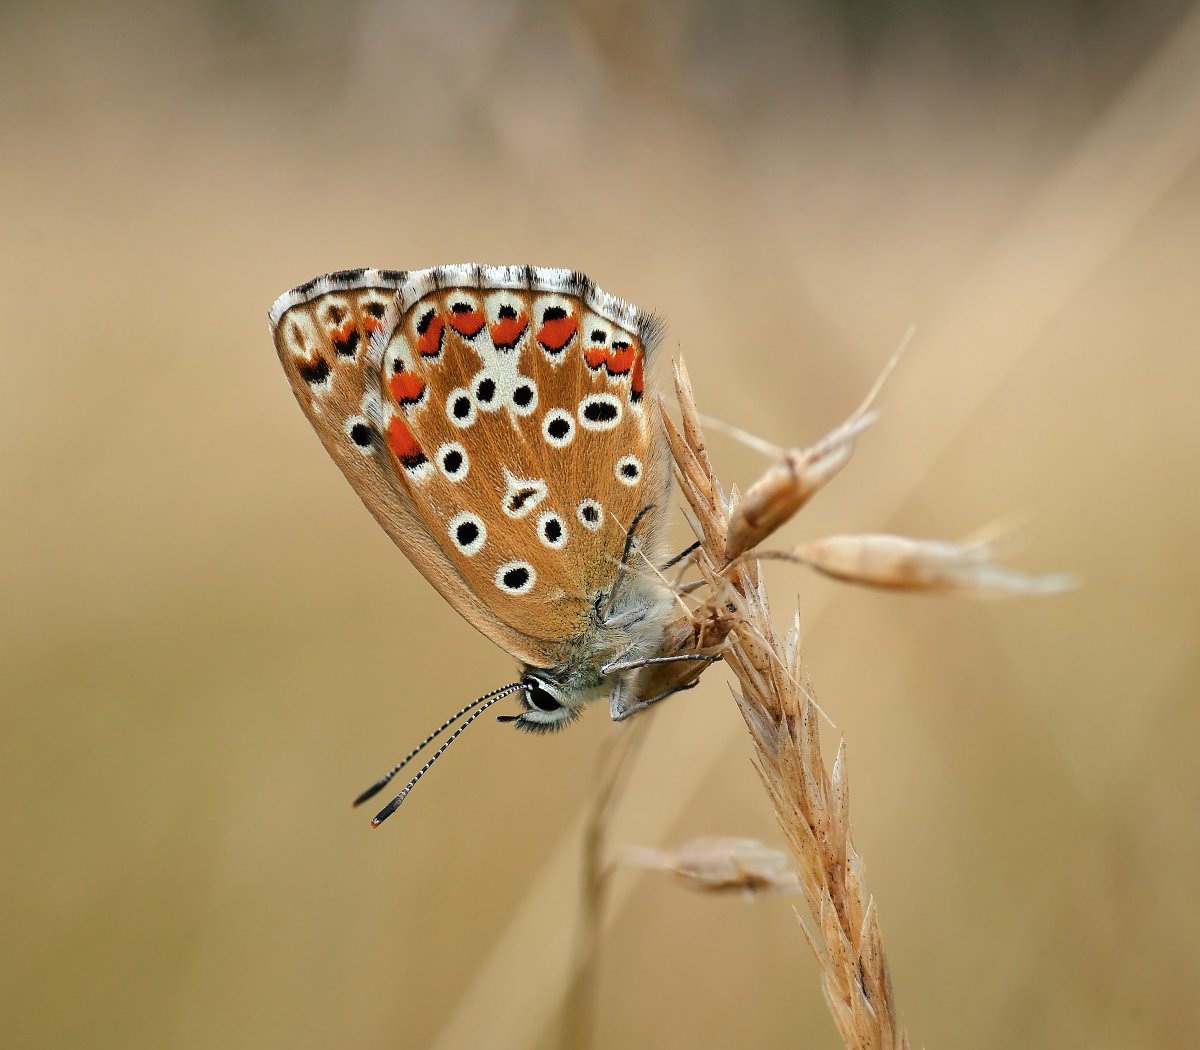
(494, 422)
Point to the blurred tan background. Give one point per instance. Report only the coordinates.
(208, 647)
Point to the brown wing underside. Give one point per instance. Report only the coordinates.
(451, 414)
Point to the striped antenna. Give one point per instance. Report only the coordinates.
(492, 698)
(382, 782)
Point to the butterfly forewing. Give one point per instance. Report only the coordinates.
(494, 421)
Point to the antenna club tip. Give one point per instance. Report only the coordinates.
(375, 822)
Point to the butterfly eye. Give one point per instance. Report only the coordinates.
(540, 698)
(547, 705)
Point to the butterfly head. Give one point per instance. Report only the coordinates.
(550, 704)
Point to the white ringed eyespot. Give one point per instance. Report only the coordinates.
(516, 577)
(558, 428)
(628, 470)
(468, 533)
(590, 515)
(522, 495)
(525, 397)
(460, 408)
(487, 391)
(600, 411)
(552, 531)
(453, 461)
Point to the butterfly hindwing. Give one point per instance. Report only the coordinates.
(494, 422)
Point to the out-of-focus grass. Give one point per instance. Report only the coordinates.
(208, 647)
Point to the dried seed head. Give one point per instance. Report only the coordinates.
(900, 563)
(788, 485)
(721, 865)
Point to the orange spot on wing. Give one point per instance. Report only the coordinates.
(596, 356)
(403, 444)
(342, 333)
(371, 325)
(508, 330)
(638, 378)
(467, 323)
(406, 387)
(621, 360)
(430, 343)
(554, 335)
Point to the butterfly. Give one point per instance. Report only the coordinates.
(496, 423)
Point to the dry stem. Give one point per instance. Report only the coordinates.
(775, 697)
(811, 804)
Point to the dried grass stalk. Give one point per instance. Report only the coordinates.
(905, 564)
(721, 865)
(811, 803)
(812, 806)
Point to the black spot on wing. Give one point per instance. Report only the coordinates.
(347, 346)
(520, 498)
(516, 577)
(599, 411)
(466, 533)
(314, 372)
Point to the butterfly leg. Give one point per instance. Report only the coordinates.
(620, 712)
(633, 665)
(624, 563)
(625, 619)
